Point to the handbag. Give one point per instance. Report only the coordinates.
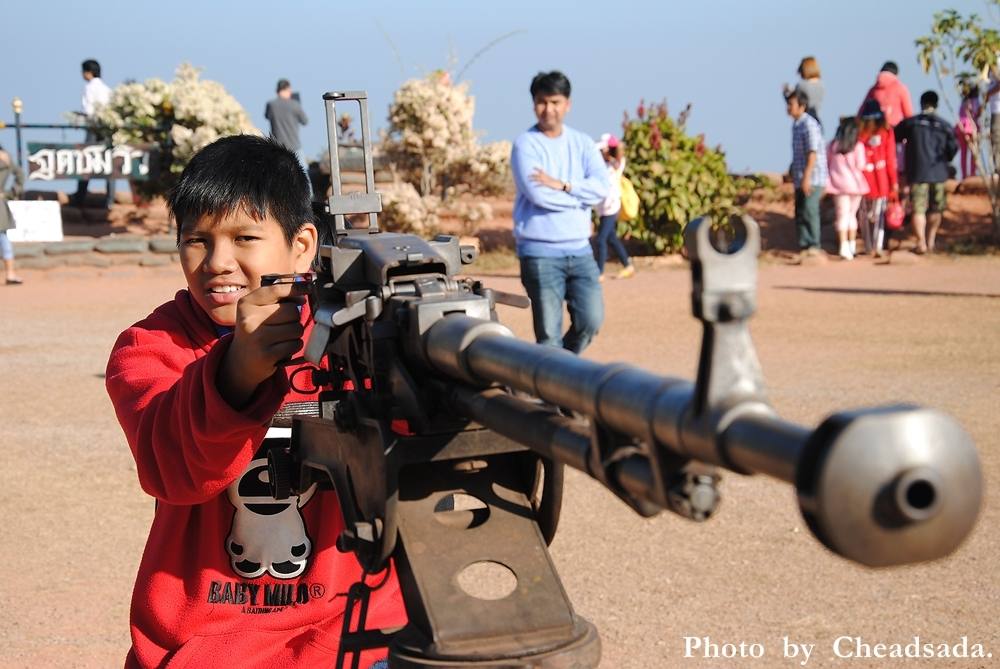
(630, 200)
(894, 215)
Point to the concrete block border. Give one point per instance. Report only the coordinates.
(97, 252)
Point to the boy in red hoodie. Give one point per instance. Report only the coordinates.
(230, 576)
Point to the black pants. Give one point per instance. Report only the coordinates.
(83, 184)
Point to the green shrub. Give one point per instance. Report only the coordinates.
(676, 176)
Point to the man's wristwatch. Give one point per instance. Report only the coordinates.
(565, 186)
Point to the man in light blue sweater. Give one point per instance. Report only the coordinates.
(559, 175)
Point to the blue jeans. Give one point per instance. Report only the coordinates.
(6, 249)
(550, 281)
(607, 233)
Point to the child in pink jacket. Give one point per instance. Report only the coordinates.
(845, 158)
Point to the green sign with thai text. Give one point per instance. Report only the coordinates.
(89, 161)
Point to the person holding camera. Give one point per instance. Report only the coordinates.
(285, 114)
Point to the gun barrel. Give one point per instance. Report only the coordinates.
(879, 486)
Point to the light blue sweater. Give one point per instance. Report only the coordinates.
(549, 222)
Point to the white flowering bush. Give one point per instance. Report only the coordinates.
(405, 210)
(432, 144)
(181, 117)
(484, 171)
(472, 214)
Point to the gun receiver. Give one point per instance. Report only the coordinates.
(447, 452)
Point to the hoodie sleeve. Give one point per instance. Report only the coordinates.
(523, 162)
(596, 181)
(890, 159)
(905, 103)
(188, 443)
(950, 146)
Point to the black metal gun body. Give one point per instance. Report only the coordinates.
(444, 438)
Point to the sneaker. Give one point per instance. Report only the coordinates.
(627, 272)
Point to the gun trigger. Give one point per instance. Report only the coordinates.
(348, 314)
(512, 299)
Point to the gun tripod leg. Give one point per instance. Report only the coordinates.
(531, 624)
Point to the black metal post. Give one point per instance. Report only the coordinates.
(18, 106)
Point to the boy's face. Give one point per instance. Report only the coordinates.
(223, 259)
(794, 109)
(550, 111)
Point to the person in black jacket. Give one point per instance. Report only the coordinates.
(930, 146)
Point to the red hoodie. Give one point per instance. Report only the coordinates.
(892, 96)
(230, 577)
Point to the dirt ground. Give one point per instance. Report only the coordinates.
(831, 336)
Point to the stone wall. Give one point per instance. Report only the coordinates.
(97, 252)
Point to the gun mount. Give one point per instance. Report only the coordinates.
(445, 437)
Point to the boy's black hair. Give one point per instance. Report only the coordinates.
(929, 100)
(550, 83)
(799, 95)
(890, 66)
(257, 174)
(91, 66)
(847, 135)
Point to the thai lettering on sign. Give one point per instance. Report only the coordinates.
(87, 161)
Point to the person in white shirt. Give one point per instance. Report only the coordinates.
(95, 93)
(608, 210)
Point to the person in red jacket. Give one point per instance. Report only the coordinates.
(230, 576)
(880, 173)
(891, 94)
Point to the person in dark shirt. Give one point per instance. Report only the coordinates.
(286, 115)
(930, 147)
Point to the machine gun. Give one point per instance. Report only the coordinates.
(445, 438)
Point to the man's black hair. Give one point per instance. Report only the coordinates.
(92, 66)
(799, 95)
(257, 174)
(890, 66)
(283, 84)
(929, 100)
(550, 83)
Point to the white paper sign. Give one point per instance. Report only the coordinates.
(36, 221)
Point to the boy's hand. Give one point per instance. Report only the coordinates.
(267, 332)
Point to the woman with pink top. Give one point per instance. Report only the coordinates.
(845, 159)
(967, 129)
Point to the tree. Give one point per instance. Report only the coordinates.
(431, 142)
(180, 117)
(430, 127)
(963, 50)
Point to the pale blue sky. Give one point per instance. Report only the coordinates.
(728, 59)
